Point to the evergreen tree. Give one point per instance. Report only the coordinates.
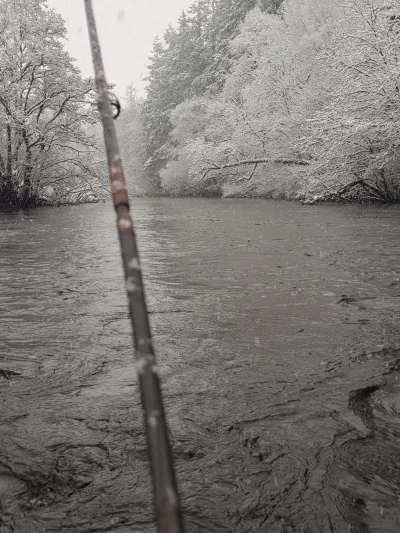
(156, 113)
(131, 136)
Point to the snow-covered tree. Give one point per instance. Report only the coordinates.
(355, 138)
(309, 109)
(47, 111)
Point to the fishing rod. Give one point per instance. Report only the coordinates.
(166, 497)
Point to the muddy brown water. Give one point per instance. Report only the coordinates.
(278, 338)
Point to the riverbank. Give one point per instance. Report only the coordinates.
(304, 200)
(41, 202)
(301, 198)
(235, 191)
(279, 185)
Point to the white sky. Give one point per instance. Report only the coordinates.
(127, 29)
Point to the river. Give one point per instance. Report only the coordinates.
(276, 328)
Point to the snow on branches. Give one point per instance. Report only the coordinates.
(318, 84)
(46, 108)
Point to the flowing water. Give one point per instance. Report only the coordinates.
(278, 339)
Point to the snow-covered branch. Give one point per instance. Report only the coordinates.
(254, 162)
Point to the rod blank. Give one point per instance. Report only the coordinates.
(166, 498)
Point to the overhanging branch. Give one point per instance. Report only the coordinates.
(255, 162)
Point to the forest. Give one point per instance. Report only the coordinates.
(296, 99)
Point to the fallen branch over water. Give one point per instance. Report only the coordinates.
(255, 162)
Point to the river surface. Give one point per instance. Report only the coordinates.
(277, 334)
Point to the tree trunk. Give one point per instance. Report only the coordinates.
(27, 197)
(26, 194)
(9, 152)
(8, 194)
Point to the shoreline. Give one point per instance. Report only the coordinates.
(302, 201)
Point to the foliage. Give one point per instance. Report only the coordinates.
(354, 137)
(47, 116)
(309, 108)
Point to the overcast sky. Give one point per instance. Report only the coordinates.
(127, 29)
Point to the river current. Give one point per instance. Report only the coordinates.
(277, 334)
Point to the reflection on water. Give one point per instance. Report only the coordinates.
(277, 334)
